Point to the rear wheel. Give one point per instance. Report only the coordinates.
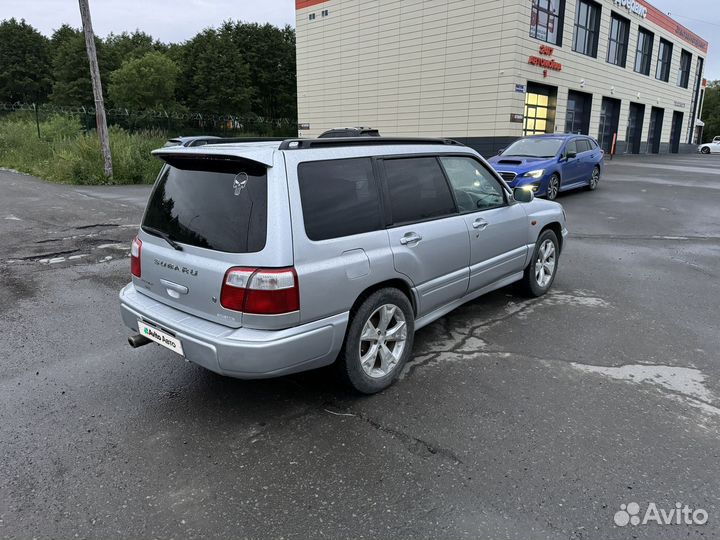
(553, 187)
(540, 273)
(594, 178)
(705, 150)
(378, 341)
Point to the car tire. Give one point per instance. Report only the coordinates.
(704, 150)
(532, 284)
(370, 361)
(594, 179)
(553, 187)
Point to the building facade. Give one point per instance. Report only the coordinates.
(488, 71)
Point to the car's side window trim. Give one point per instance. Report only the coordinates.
(379, 172)
(452, 189)
(385, 190)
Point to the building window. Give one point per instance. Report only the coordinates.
(587, 27)
(539, 109)
(546, 20)
(684, 72)
(324, 13)
(644, 51)
(311, 17)
(577, 117)
(662, 72)
(618, 45)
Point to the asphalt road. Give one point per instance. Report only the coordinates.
(515, 419)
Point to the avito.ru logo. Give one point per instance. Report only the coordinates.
(680, 515)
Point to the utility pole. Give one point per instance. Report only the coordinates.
(97, 87)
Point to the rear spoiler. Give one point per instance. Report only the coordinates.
(176, 156)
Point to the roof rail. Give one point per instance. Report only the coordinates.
(305, 144)
(226, 140)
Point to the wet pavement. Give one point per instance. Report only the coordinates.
(516, 418)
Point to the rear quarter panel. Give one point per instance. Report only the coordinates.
(333, 273)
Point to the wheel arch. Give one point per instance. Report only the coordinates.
(395, 283)
(555, 227)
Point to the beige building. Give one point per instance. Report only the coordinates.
(488, 71)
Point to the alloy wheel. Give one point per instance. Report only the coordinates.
(383, 340)
(553, 188)
(595, 178)
(545, 263)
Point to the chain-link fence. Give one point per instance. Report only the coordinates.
(173, 123)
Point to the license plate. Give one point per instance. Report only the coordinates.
(163, 338)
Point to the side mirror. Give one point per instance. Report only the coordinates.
(523, 195)
(500, 151)
(571, 155)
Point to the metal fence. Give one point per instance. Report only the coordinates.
(173, 123)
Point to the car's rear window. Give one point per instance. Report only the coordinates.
(214, 204)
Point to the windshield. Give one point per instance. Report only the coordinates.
(220, 206)
(534, 147)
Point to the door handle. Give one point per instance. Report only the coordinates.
(410, 238)
(480, 224)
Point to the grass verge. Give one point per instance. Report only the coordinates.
(65, 154)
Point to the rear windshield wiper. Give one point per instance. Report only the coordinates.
(165, 236)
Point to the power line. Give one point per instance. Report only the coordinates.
(694, 20)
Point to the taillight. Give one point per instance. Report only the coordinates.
(135, 251)
(261, 291)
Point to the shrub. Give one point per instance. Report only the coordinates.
(67, 155)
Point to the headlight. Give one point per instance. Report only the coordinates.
(535, 174)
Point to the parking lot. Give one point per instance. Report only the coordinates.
(516, 418)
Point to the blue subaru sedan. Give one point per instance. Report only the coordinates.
(549, 164)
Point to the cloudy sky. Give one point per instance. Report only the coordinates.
(178, 20)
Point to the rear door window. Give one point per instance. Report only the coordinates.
(339, 198)
(214, 204)
(583, 145)
(417, 189)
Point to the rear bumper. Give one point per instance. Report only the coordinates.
(243, 352)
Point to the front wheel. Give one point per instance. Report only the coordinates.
(540, 273)
(705, 150)
(553, 187)
(378, 341)
(594, 179)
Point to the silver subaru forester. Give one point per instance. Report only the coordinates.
(261, 259)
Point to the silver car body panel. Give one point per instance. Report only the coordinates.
(201, 271)
(239, 352)
(454, 262)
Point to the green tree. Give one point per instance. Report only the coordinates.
(215, 77)
(270, 55)
(71, 70)
(24, 63)
(147, 82)
(711, 111)
(127, 46)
